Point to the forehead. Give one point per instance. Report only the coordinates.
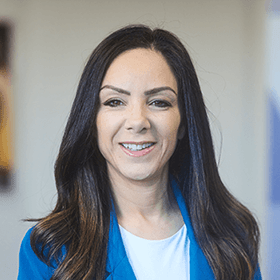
(140, 67)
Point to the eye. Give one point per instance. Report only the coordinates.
(113, 103)
(160, 103)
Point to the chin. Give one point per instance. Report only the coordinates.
(139, 176)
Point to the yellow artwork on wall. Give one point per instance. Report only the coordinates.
(6, 114)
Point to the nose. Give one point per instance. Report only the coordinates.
(137, 119)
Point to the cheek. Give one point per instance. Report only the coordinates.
(172, 126)
(107, 127)
(103, 141)
(103, 123)
(102, 131)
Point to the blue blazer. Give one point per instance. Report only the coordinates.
(118, 266)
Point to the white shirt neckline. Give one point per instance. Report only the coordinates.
(163, 259)
(122, 229)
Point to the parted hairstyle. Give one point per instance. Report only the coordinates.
(225, 230)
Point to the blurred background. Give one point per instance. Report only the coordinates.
(235, 49)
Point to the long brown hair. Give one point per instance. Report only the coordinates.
(225, 230)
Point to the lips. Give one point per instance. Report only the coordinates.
(137, 143)
(137, 146)
(137, 149)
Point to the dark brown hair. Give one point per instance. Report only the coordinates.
(225, 230)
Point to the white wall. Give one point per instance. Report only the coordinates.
(52, 40)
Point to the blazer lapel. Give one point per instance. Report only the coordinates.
(118, 266)
(199, 266)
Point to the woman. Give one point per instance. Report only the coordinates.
(139, 194)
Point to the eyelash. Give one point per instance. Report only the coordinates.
(162, 102)
(112, 103)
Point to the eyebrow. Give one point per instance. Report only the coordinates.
(148, 92)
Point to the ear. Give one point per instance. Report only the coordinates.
(181, 132)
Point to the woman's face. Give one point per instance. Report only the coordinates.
(138, 119)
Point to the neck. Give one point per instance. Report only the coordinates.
(141, 199)
(146, 208)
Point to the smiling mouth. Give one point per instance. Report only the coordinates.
(137, 147)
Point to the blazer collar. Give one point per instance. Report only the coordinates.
(199, 266)
(118, 265)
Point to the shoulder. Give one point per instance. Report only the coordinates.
(258, 274)
(30, 266)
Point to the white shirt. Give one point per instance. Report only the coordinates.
(166, 259)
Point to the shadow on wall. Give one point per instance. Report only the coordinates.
(272, 5)
(274, 148)
(274, 186)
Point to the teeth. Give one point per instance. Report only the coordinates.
(134, 147)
